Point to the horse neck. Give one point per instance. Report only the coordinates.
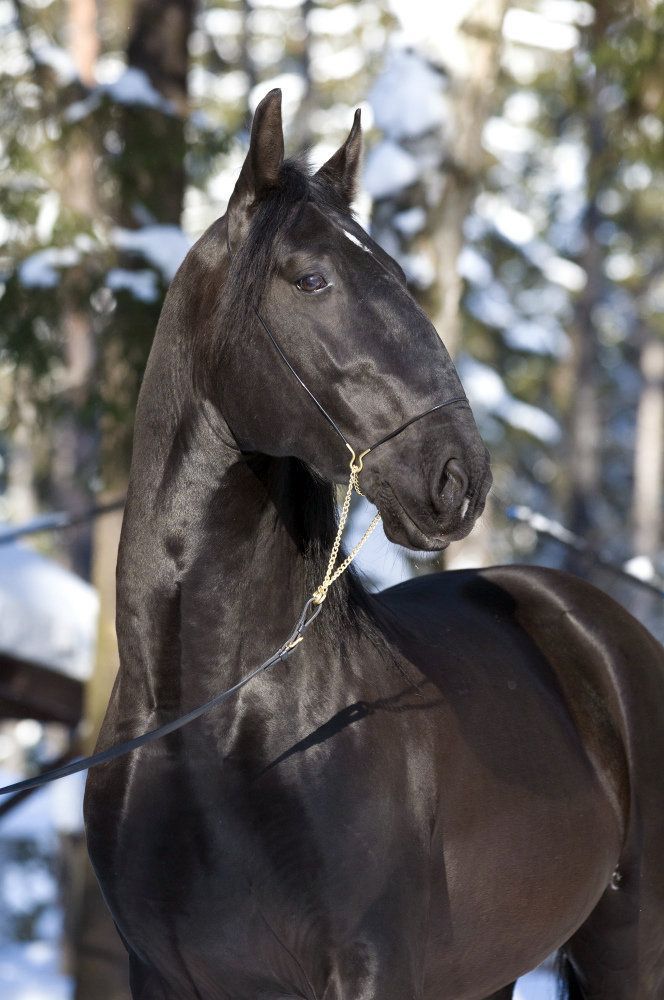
(218, 555)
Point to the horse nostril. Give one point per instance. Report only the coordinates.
(454, 480)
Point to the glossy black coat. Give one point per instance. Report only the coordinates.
(437, 789)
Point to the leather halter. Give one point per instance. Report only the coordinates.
(310, 611)
(388, 437)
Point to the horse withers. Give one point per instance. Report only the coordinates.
(446, 781)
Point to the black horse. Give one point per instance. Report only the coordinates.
(446, 781)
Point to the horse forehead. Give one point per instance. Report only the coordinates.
(335, 231)
(313, 222)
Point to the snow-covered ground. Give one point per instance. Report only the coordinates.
(47, 614)
(30, 912)
(32, 972)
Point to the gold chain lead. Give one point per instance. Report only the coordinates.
(332, 574)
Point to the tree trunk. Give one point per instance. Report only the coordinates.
(584, 418)
(20, 491)
(74, 442)
(649, 451)
(472, 96)
(585, 437)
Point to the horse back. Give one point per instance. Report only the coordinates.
(549, 630)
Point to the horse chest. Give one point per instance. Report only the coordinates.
(245, 872)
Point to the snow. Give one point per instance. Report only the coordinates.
(566, 273)
(47, 614)
(389, 169)
(132, 87)
(537, 337)
(109, 66)
(15, 60)
(418, 268)
(641, 567)
(165, 247)
(491, 306)
(23, 889)
(527, 27)
(488, 393)
(522, 107)
(500, 137)
(227, 88)
(275, 4)
(39, 269)
(569, 162)
(328, 63)
(410, 222)
(31, 972)
(537, 985)
(407, 98)
(46, 53)
(475, 268)
(338, 119)
(517, 228)
(652, 127)
(47, 216)
(141, 284)
(514, 226)
(340, 20)
(7, 14)
(637, 176)
(568, 11)
(431, 27)
(219, 21)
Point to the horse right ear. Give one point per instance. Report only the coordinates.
(262, 166)
(342, 170)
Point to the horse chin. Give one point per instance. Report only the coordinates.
(401, 528)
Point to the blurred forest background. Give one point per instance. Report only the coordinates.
(515, 168)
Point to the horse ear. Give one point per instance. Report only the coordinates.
(262, 166)
(342, 170)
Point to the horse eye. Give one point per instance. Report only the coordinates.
(311, 283)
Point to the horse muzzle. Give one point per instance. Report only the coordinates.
(447, 515)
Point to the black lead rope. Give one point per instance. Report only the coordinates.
(306, 619)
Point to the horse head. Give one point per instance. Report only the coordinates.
(319, 341)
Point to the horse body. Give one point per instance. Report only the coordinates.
(432, 794)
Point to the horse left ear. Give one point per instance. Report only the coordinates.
(262, 167)
(342, 170)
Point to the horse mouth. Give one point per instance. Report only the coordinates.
(403, 529)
